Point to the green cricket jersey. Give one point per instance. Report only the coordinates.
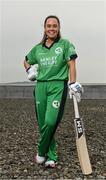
(52, 61)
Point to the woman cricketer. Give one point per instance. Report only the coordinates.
(55, 75)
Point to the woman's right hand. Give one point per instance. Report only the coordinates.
(32, 73)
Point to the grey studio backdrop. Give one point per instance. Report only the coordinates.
(82, 22)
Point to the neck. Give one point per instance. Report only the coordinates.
(49, 42)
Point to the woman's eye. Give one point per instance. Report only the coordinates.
(55, 25)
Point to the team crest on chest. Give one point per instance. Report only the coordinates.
(58, 50)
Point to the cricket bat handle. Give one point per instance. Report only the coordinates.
(76, 110)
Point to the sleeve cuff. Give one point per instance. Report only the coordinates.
(74, 56)
(26, 58)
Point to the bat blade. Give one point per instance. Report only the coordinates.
(82, 147)
(83, 156)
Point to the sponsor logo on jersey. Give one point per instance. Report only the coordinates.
(58, 50)
(48, 61)
(56, 104)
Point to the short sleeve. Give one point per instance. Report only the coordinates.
(31, 56)
(70, 52)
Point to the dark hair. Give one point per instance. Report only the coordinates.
(51, 16)
(45, 36)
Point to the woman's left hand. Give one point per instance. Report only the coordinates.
(76, 89)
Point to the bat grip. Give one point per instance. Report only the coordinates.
(76, 110)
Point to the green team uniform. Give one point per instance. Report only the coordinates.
(51, 89)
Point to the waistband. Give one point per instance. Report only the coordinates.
(52, 80)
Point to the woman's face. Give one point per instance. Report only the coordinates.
(52, 28)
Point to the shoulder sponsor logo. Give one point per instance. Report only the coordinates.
(42, 53)
(56, 104)
(58, 50)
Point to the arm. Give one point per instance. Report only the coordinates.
(74, 87)
(26, 65)
(32, 73)
(72, 70)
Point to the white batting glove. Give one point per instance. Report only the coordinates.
(76, 89)
(32, 72)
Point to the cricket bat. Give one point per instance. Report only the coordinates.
(81, 141)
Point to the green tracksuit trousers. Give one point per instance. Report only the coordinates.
(50, 98)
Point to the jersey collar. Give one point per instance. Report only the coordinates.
(55, 41)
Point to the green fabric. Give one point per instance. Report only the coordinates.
(48, 96)
(50, 90)
(52, 61)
